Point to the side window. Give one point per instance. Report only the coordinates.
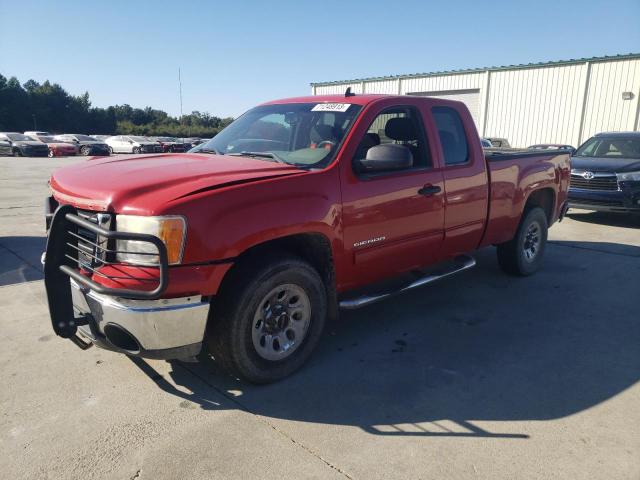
(452, 135)
(400, 126)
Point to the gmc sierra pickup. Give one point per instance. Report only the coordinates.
(243, 248)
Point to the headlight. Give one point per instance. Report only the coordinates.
(628, 177)
(170, 229)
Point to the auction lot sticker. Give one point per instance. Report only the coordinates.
(331, 107)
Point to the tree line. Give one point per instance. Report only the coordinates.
(49, 107)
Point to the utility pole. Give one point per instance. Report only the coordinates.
(180, 88)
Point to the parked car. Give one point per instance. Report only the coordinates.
(485, 143)
(18, 145)
(497, 142)
(605, 173)
(171, 144)
(87, 145)
(132, 144)
(552, 146)
(296, 209)
(57, 148)
(37, 134)
(194, 141)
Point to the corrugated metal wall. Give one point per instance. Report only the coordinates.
(556, 103)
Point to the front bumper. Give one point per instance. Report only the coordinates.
(160, 329)
(627, 199)
(132, 321)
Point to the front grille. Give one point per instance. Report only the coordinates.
(608, 183)
(92, 249)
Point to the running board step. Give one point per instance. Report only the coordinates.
(461, 263)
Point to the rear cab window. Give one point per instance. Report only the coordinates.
(452, 135)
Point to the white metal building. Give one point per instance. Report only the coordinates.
(554, 102)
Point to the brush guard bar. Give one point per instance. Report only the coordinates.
(62, 262)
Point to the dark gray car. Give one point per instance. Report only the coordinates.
(18, 145)
(87, 145)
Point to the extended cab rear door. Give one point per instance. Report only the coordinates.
(393, 220)
(465, 177)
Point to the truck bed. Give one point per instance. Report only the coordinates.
(512, 176)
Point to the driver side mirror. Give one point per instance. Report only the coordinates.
(386, 157)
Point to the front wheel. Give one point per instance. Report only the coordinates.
(136, 150)
(17, 152)
(523, 255)
(268, 319)
(50, 154)
(85, 151)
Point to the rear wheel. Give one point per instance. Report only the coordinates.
(523, 255)
(17, 152)
(110, 150)
(268, 320)
(50, 154)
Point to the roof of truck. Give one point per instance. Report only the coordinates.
(354, 99)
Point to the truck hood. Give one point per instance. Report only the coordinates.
(146, 184)
(606, 164)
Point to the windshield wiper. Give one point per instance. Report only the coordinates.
(258, 155)
(208, 150)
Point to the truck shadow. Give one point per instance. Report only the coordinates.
(20, 259)
(480, 347)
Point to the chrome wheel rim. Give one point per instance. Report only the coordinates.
(281, 322)
(532, 242)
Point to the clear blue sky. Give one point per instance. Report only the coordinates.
(234, 54)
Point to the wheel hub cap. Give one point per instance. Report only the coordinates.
(281, 322)
(532, 242)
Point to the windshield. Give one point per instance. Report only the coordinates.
(18, 137)
(140, 139)
(47, 139)
(165, 139)
(614, 147)
(85, 138)
(302, 134)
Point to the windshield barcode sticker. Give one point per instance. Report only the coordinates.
(331, 107)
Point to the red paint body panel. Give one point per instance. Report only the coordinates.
(377, 227)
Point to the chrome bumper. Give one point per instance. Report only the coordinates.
(164, 328)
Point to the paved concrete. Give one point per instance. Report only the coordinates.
(480, 376)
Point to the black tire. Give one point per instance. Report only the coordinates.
(17, 152)
(86, 151)
(50, 154)
(136, 150)
(230, 333)
(523, 256)
(110, 150)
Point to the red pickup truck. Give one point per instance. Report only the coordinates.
(244, 247)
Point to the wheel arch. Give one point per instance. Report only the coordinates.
(544, 198)
(312, 247)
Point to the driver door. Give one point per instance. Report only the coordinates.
(393, 220)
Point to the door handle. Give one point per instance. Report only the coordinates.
(429, 190)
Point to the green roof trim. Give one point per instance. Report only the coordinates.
(572, 61)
